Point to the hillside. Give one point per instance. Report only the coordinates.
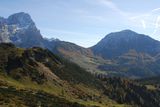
(35, 76)
(152, 83)
(130, 92)
(39, 74)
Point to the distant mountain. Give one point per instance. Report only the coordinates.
(132, 55)
(119, 43)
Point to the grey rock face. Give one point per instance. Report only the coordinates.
(21, 20)
(20, 29)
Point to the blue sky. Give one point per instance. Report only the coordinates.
(85, 22)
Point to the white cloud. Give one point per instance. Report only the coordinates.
(157, 26)
(149, 19)
(143, 24)
(154, 10)
(142, 15)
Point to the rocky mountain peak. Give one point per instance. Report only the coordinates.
(21, 19)
(20, 29)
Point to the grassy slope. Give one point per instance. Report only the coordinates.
(20, 70)
(10, 96)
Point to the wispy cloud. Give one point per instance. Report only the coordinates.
(147, 14)
(157, 26)
(150, 20)
(143, 24)
(113, 7)
(88, 15)
(146, 20)
(155, 9)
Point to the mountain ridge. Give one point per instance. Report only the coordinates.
(117, 50)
